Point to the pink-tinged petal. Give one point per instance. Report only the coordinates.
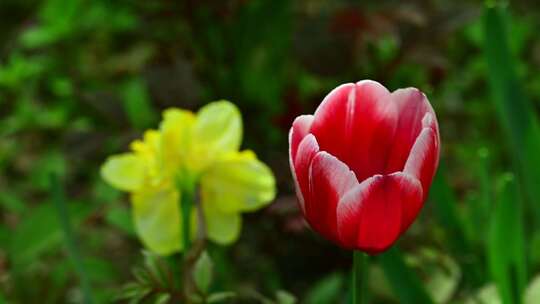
(307, 149)
(423, 159)
(330, 179)
(299, 130)
(413, 194)
(373, 215)
(356, 123)
(373, 127)
(329, 123)
(413, 106)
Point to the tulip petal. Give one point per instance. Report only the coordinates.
(356, 123)
(156, 218)
(217, 131)
(306, 151)
(329, 124)
(329, 180)
(299, 130)
(413, 106)
(124, 171)
(373, 214)
(423, 158)
(238, 183)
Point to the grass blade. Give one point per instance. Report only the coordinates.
(506, 244)
(59, 199)
(515, 112)
(405, 283)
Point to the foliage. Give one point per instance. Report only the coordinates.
(80, 80)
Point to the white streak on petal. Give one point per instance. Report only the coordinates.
(300, 167)
(299, 130)
(420, 152)
(335, 171)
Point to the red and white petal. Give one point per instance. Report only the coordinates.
(307, 149)
(330, 179)
(423, 158)
(373, 129)
(372, 216)
(356, 123)
(414, 194)
(299, 130)
(329, 122)
(413, 106)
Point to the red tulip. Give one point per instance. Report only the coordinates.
(364, 162)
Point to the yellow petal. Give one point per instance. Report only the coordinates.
(124, 171)
(176, 136)
(238, 182)
(222, 228)
(157, 219)
(217, 131)
(149, 149)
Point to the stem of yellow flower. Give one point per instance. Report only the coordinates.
(189, 200)
(186, 204)
(359, 277)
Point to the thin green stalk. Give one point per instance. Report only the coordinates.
(186, 188)
(59, 199)
(186, 204)
(360, 277)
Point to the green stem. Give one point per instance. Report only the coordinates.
(186, 189)
(58, 196)
(359, 277)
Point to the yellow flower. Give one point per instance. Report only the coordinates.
(207, 146)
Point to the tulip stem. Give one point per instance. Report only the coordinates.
(359, 277)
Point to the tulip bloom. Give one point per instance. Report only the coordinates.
(364, 162)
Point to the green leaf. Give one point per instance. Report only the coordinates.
(134, 292)
(137, 104)
(405, 283)
(51, 161)
(442, 274)
(58, 196)
(11, 201)
(218, 297)
(202, 272)
(532, 294)
(162, 298)
(142, 276)
(40, 232)
(156, 267)
(327, 290)
(516, 113)
(444, 203)
(120, 217)
(505, 250)
(486, 295)
(284, 297)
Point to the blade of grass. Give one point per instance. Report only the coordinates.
(404, 282)
(445, 204)
(516, 113)
(505, 250)
(59, 199)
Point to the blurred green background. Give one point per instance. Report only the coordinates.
(80, 79)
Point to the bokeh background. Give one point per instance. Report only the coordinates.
(80, 79)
